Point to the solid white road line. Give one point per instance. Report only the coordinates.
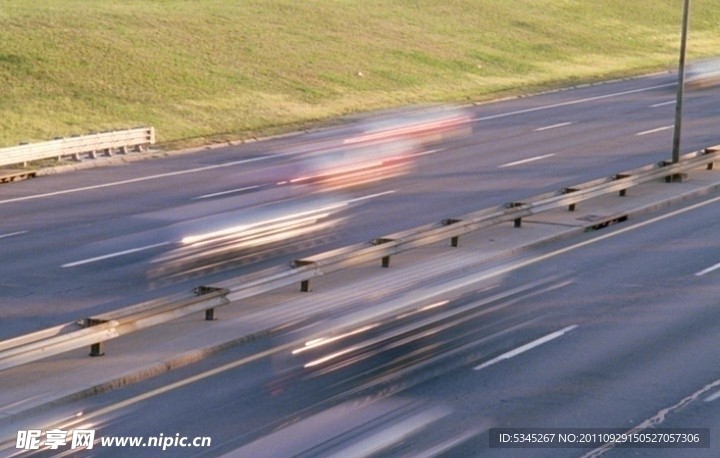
(513, 266)
(525, 161)
(713, 397)
(140, 179)
(652, 131)
(571, 102)
(222, 193)
(617, 232)
(708, 270)
(657, 419)
(428, 152)
(256, 159)
(526, 347)
(113, 255)
(372, 196)
(554, 126)
(148, 247)
(662, 104)
(86, 418)
(11, 234)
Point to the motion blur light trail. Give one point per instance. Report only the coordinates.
(308, 212)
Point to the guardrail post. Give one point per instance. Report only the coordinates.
(711, 164)
(304, 284)
(199, 291)
(676, 178)
(385, 262)
(673, 177)
(571, 207)
(455, 240)
(621, 176)
(517, 222)
(96, 349)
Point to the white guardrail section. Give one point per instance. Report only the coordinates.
(95, 330)
(75, 147)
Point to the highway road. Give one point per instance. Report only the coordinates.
(84, 242)
(615, 328)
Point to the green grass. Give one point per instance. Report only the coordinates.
(227, 69)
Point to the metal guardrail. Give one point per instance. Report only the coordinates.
(98, 329)
(452, 228)
(74, 147)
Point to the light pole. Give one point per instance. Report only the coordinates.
(681, 84)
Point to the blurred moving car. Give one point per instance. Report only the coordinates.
(382, 148)
(423, 125)
(235, 237)
(347, 167)
(296, 203)
(703, 74)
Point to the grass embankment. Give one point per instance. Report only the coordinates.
(230, 69)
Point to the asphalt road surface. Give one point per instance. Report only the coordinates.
(81, 243)
(615, 328)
